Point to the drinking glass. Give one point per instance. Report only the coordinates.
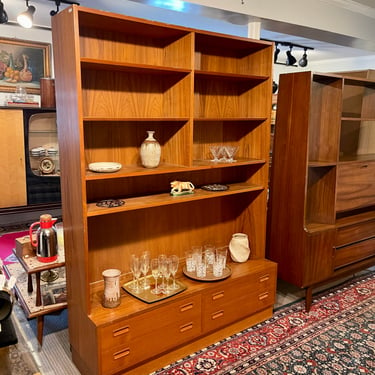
(162, 265)
(154, 265)
(145, 265)
(174, 268)
(216, 151)
(136, 270)
(209, 255)
(217, 267)
(190, 263)
(230, 152)
(166, 274)
(222, 252)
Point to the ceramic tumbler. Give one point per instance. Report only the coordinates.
(111, 297)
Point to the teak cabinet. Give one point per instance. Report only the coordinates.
(322, 193)
(116, 78)
(12, 155)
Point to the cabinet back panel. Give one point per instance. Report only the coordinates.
(228, 99)
(121, 142)
(325, 115)
(125, 95)
(166, 230)
(235, 57)
(172, 51)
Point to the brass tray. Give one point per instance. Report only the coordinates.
(209, 275)
(147, 296)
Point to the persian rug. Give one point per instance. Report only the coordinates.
(7, 244)
(335, 337)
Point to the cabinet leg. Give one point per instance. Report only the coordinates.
(29, 283)
(40, 325)
(308, 298)
(38, 292)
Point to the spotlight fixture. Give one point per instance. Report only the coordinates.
(290, 59)
(3, 13)
(58, 3)
(303, 60)
(25, 19)
(276, 53)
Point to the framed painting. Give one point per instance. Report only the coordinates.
(23, 63)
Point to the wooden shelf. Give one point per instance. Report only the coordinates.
(159, 200)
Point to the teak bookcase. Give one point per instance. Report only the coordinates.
(116, 78)
(322, 201)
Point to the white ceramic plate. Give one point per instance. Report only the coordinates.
(104, 167)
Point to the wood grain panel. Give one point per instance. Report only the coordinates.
(12, 155)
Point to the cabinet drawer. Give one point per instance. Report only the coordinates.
(355, 185)
(355, 233)
(219, 315)
(222, 306)
(126, 331)
(159, 338)
(354, 253)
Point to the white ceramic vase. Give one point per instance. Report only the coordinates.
(239, 247)
(150, 151)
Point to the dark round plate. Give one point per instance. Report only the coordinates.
(215, 187)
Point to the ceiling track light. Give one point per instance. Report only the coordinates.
(25, 19)
(3, 13)
(291, 60)
(58, 3)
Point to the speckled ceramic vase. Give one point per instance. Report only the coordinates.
(150, 151)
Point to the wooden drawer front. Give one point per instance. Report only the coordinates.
(128, 330)
(223, 306)
(160, 338)
(355, 233)
(355, 185)
(136, 339)
(354, 253)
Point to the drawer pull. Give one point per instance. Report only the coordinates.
(218, 295)
(186, 327)
(120, 331)
(186, 307)
(121, 354)
(364, 166)
(217, 314)
(263, 296)
(264, 278)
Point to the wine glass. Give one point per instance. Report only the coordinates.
(162, 264)
(166, 274)
(145, 265)
(154, 265)
(230, 151)
(174, 268)
(216, 152)
(136, 270)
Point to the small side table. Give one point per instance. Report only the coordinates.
(30, 300)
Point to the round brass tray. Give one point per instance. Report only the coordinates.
(209, 276)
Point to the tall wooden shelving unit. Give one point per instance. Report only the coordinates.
(322, 201)
(116, 78)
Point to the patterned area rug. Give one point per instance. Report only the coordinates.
(336, 337)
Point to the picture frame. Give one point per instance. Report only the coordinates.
(23, 63)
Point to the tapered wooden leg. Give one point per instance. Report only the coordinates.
(40, 320)
(308, 298)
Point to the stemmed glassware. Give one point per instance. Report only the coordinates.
(154, 265)
(216, 151)
(166, 274)
(136, 270)
(145, 265)
(230, 151)
(174, 268)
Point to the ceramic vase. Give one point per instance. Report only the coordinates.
(111, 297)
(239, 247)
(150, 151)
